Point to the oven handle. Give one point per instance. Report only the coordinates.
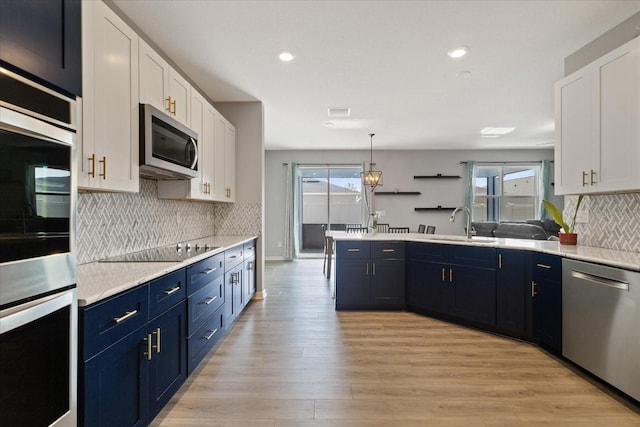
(195, 147)
(23, 314)
(13, 121)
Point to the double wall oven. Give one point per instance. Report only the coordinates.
(38, 307)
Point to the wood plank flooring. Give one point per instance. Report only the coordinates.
(293, 361)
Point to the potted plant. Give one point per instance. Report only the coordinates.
(566, 235)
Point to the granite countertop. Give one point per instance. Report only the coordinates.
(99, 280)
(611, 257)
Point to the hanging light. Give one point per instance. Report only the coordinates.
(372, 178)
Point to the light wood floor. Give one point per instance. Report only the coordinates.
(291, 360)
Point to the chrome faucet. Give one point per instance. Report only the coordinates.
(453, 218)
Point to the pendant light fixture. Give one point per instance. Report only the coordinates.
(372, 177)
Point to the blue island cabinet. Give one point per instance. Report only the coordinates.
(545, 300)
(511, 292)
(454, 282)
(131, 366)
(370, 275)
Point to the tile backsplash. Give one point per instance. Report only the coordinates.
(613, 221)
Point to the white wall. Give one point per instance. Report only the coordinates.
(398, 169)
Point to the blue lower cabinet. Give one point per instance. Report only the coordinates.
(511, 283)
(232, 294)
(546, 300)
(204, 338)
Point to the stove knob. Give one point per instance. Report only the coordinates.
(179, 247)
(206, 246)
(197, 247)
(188, 247)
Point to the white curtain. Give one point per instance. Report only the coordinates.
(543, 187)
(289, 223)
(471, 174)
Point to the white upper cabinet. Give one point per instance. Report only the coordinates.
(598, 125)
(224, 160)
(161, 86)
(108, 154)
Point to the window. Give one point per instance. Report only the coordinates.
(506, 192)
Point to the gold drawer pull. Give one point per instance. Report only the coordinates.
(443, 275)
(388, 250)
(208, 337)
(157, 334)
(353, 250)
(148, 352)
(125, 316)
(533, 289)
(92, 159)
(210, 300)
(548, 267)
(500, 261)
(172, 290)
(104, 168)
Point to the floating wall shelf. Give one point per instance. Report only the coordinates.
(436, 208)
(438, 176)
(397, 193)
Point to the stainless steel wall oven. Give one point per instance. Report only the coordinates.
(38, 307)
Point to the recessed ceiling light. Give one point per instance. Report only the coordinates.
(286, 56)
(458, 52)
(489, 136)
(495, 131)
(339, 112)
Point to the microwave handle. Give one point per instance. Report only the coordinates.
(195, 147)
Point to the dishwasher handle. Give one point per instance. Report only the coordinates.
(600, 280)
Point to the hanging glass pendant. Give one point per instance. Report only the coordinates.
(372, 177)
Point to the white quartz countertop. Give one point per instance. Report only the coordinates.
(611, 257)
(99, 280)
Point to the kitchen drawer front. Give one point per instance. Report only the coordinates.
(203, 303)
(545, 266)
(350, 249)
(473, 256)
(428, 252)
(249, 249)
(204, 272)
(104, 323)
(203, 339)
(166, 291)
(387, 250)
(233, 257)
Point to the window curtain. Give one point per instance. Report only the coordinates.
(289, 213)
(543, 187)
(471, 175)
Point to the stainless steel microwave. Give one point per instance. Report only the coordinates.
(168, 149)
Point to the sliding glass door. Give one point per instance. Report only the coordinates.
(330, 196)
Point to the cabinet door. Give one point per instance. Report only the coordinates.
(43, 38)
(180, 93)
(428, 287)
(472, 294)
(352, 283)
(510, 298)
(219, 185)
(115, 385)
(232, 294)
(249, 280)
(387, 283)
(576, 151)
(154, 78)
(230, 162)
(619, 77)
(546, 300)
(168, 364)
(108, 156)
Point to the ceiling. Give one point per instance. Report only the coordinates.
(386, 60)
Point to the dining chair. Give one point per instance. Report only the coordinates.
(398, 229)
(431, 229)
(358, 229)
(421, 228)
(347, 226)
(383, 228)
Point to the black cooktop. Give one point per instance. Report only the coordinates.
(173, 253)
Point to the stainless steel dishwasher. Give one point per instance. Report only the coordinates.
(601, 322)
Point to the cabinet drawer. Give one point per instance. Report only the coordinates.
(547, 266)
(473, 256)
(166, 291)
(428, 252)
(353, 249)
(203, 272)
(387, 250)
(203, 339)
(249, 249)
(104, 323)
(233, 257)
(203, 303)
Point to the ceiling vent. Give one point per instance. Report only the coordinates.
(339, 112)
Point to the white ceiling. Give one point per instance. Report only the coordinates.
(386, 60)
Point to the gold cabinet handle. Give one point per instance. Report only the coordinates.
(125, 316)
(353, 250)
(157, 334)
(451, 275)
(584, 177)
(388, 250)
(172, 290)
(443, 275)
(374, 268)
(168, 104)
(367, 269)
(148, 352)
(174, 107)
(210, 300)
(548, 267)
(533, 289)
(592, 179)
(208, 337)
(92, 159)
(104, 167)
(500, 261)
